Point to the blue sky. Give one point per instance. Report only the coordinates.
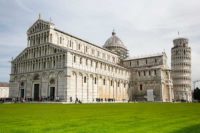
(145, 27)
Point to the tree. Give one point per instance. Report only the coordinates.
(196, 94)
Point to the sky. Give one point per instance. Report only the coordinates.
(145, 26)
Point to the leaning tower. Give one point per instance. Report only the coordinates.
(181, 69)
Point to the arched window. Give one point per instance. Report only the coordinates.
(91, 63)
(155, 60)
(95, 80)
(70, 43)
(22, 84)
(74, 59)
(86, 62)
(54, 63)
(55, 50)
(79, 46)
(96, 64)
(154, 72)
(60, 40)
(52, 81)
(44, 65)
(80, 60)
(113, 59)
(141, 87)
(167, 74)
(86, 49)
(36, 77)
(85, 80)
(51, 38)
(118, 84)
(137, 62)
(104, 81)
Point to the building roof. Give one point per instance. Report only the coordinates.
(114, 41)
(84, 41)
(4, 84)
(146, 56)
(180, 38)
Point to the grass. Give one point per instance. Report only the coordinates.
(100, 118)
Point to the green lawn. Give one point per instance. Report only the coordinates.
(100, 118)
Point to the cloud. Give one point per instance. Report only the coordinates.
(144, 26)
(23, 6)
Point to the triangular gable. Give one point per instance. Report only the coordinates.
(25, 51)
(39, 25)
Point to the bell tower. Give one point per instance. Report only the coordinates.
(181, 69)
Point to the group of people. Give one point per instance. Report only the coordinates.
(78, 101)
(24, 99)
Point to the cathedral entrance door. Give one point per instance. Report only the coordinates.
(36, 92)
(22, 93)
(52, 93)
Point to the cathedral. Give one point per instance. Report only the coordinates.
(56, 65)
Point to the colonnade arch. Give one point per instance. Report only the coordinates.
(90, 87)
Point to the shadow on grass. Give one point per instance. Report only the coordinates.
(190, 129)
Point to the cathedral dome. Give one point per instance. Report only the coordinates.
(115, 45)
(114, 41)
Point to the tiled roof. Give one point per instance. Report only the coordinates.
(4, 84)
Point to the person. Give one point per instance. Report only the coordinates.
(70, 99)
(79, 101)
(76, 100)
